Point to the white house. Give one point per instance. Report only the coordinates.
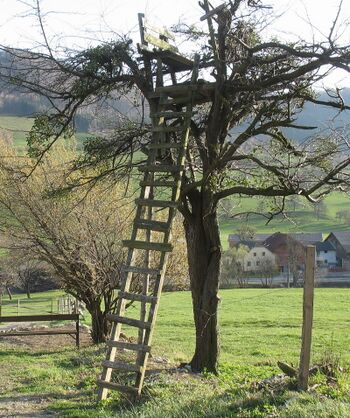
(326, 255)
(256, 256)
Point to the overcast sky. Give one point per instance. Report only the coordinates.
(77, 23)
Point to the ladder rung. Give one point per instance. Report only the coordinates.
(158, 183)
(161, 168)
(176, 101)
(138, 297)
(128, 321)
(165, 145)
(117, 365)
(168, 129)
(171, 115)
(129, 346)
(152, 225)
(141, 270)
(157, 203)
(144, 245)
(116, 386)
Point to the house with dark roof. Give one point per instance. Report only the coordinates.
(341, 242)
(257, 256)
(287, 251)
(326, 255)
(307, 238)
(237, 239)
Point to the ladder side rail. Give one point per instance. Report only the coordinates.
(125, 285)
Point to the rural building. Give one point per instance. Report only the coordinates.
(326, 255)
(237, 239)
(307, 238)
(257, 256)
(341, 242)
(287, 250)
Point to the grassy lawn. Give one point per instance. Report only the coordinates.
(39, 304)
(258, 328)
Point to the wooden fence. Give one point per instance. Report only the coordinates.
(63, 308)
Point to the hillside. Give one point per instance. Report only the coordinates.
(17, 127)
(303, 219)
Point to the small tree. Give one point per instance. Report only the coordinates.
(77, 235)
(296, 259)
(232, 267)
(267, 271)
(320, 209)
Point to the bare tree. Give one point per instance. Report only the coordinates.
(232, 267)
(78, 236)
(28, 273)
(267, 270)
(240, 139)
(296, 260)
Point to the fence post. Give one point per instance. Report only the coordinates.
(18, 305)
(52, 305)
(308, 304)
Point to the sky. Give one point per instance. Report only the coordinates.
(78, 23)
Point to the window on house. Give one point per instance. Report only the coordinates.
(326, 252)
(325, 261)
(257, 263)
(249, 263)
(263, 253)
(254, 254)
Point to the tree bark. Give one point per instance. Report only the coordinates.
(28, 290)
(99, 323)
(204, 254)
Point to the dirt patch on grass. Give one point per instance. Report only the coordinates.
(39, 342)
(25, 406)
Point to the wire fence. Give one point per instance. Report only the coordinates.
(65, 304)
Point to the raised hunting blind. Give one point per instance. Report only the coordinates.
(171, 110)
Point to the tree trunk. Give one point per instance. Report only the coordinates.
(204, 254)
(9, 292)
(28, 290)
(99, 323)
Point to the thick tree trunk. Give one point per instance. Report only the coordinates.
(99, 323)
(204, 253)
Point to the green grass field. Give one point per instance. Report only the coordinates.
(17, 128)
(258, 328)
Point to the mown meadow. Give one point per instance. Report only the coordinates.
(258, 328)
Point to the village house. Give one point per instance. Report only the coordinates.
(237, 239)
(287, 250)
(341, 242)
(307, 238)
(257, 256)
(326, 255)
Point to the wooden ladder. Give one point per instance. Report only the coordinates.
(147, 256)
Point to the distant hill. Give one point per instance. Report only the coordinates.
(325, 118)
(14, 102)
